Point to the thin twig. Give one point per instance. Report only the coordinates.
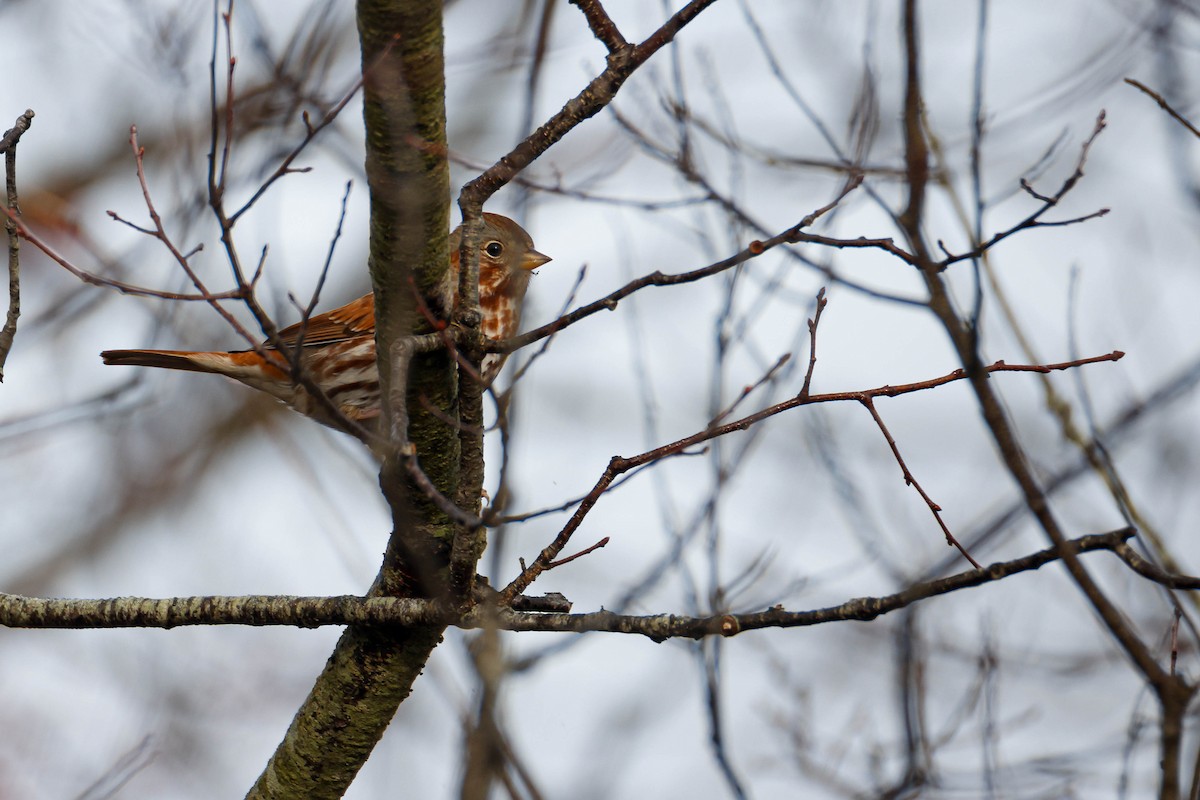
(1171, 691)
(1048, 202)
(12, 207)
(756, 248)
(749, 389)
(306, 311)
(812, 342)
(273, 350)
(569, 504)
(159, 232)
(112, 283)
(619, 465)
(445, 333)
(1164, 105)
(571, 295)
(911, 480)
(311, 131)
(598, 94)
(712, 193)
(580, 554)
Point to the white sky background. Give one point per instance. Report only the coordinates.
(123, 497)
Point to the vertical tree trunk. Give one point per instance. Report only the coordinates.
(372, 671)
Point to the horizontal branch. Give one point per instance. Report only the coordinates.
(258, 610)
(527, 613)
(860, 609)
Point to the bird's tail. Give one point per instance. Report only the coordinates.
(164, 359)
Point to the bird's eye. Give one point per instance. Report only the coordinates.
(494, 249)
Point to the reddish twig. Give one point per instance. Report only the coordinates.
(911, 480)
(111, 283)
(580, 554)
(159, 232)
(561, 507)
(712, 193)
(619, 465)
(445, 333)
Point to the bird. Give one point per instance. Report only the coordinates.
(338, 346)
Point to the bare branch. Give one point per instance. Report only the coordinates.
(603, 542)
(749, 389)
(306, 311)
(1164, 105)
(595, 96)
(12, 206)
(812, 342)
(601, 24)
(111, 283)
(753, 250)
(911, 480)
(1034, 220)
(311, 131)
(1170, 690)
(619, 465)
(309, 612)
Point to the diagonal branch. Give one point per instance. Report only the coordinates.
(620, 465)
(1048, 202)
(911, 480)
(756, 248)
(602, 25)
(600, 92)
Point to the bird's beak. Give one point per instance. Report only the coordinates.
(533, 259)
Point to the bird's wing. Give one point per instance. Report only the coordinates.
(356, 318)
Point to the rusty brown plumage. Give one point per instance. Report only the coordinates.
(338, 347)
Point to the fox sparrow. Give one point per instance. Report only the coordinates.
(338, 347)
